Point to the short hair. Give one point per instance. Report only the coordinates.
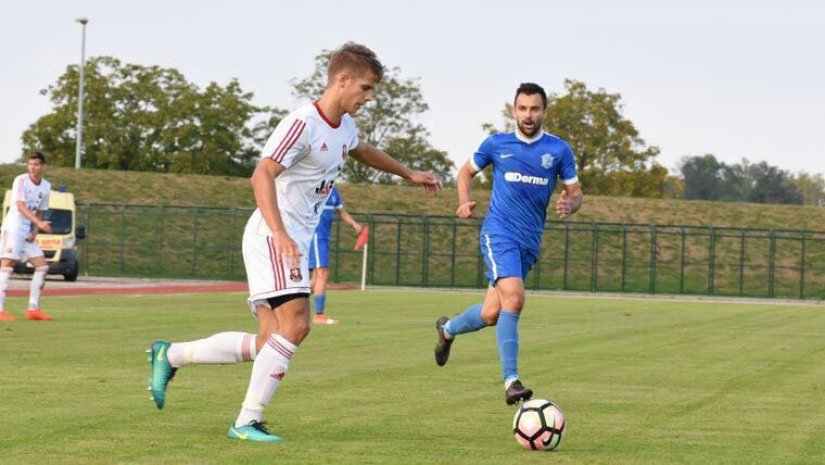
(37, 156)
(530, 88)
(355, 57)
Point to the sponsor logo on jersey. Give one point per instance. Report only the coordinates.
(546, 160)
(505, 156)
(511, 176)
(324, 147)
(295, 275)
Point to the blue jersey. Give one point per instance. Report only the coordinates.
(334, 201)
(524, 177)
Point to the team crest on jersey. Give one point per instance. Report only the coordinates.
(295, 275)
(546, 161)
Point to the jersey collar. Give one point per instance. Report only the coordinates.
(524, 139)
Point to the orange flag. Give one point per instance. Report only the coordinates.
(362, 238)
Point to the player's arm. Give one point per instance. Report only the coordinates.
(464, 185)
(342, 212)
(263, 186)
(570, 200)
(38, 224)
(378, 159)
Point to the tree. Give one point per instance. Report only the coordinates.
(701, 176)
(706, 178)
(772, 185)
(387, 122)
(812, 188)
(147, 118)
(611, 157)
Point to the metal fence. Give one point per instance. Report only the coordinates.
(440, 251)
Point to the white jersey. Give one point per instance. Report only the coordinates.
(36, 197)
(313, 152)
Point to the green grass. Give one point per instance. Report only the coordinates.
(640, 381)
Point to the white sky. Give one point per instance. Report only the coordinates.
(733, 78)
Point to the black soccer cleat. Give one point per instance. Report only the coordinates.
(442, 346)
(516, 392)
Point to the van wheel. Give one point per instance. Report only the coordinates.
(72, 275)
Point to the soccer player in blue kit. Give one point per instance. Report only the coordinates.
(526, 164)
(319, 254)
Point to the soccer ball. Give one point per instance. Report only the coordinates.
(539, 425)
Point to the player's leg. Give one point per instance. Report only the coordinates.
(280, 295)
(470, 320)
(511, 296)
(222, 348)
(9, 253)
(38, 282)
(285, 328)
(6, 269)
(321, 276)
(319, 264)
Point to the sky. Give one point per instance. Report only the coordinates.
(738, 79)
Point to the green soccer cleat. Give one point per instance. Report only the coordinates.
(162, 372)
(254, 431)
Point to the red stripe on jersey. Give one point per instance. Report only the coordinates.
(286, 137)
(296, 134)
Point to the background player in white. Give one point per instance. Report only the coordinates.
(526, 164)
(298, 167)
(319, 254)
(30, 197)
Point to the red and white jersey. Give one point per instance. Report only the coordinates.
(313, 152)
(36, 197)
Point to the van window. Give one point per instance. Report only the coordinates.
(61, 220)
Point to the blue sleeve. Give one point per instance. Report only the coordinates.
(484, 154)
(335, 200)
(567, 172)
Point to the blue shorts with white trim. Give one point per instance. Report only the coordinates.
(319, 252)
(505, 258)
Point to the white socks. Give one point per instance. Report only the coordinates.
(38, 280)
(228, 347)
(267, 372)
(5, 274)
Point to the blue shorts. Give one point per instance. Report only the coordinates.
(505, 258)
(318, 252)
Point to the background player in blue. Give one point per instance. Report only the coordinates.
(526, 164)
(319, 254)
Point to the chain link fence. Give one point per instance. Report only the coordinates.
(440, 251)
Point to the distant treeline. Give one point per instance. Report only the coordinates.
(706, 178)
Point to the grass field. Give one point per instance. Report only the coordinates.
(641, 381)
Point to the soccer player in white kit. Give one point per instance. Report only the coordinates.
(30, 197)
(299, 165)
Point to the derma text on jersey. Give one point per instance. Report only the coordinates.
(518, 177)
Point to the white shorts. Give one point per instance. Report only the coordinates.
(16, 247)
(267, 274)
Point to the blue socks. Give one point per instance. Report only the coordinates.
(507, 338)
(467, 322)
(320, 303)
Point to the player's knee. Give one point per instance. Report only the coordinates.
(491, 319)
(513, 303)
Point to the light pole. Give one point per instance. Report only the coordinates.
(79, 148)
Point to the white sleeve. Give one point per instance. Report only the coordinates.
(288, 143)
(18, 189)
